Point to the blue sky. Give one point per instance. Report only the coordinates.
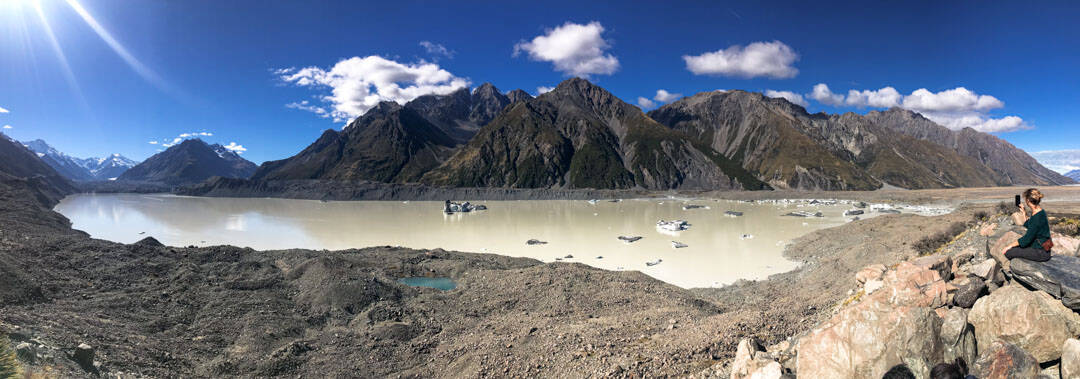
(220, 68)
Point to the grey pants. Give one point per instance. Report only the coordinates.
(1032, 253)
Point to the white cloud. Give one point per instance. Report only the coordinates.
(886, 97)
(822, 94)
(790, 96)
(437, 49)
(664, 96)
(9, 127)
(543, 89)
(960, 108)
(358, 84)
(305, 106)
(575, 49)
(1061, 161)
(153, 142)
(645, 103)
(2, 110)
(765, 59)
(183, 136)
(958, 99)
(955, 109)
(233, 147)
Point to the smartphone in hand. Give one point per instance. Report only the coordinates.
(1017, 200)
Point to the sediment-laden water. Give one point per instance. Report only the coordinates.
(719, 248)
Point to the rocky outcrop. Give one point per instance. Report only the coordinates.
(871, 272)
(861, 340)
(1032, 320)
(1059, 277)
(1065, 245)
(1003, 360)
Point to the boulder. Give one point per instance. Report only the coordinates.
(1005, 240)
(84, 356)
(1070, 359)
(938, 262)
(989, 270)
(872, 285)
(1064, 245)
(913, 286)
(968, 292)
(1032, 320)
(149, 241)
(752, 362)
(1059, 277)
(866, 339)
(957, 336)
(987, 229)
(870, 272)
(1002, 360)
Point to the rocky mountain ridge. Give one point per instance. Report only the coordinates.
(582, 136)
(80, 169)
(1074, 175)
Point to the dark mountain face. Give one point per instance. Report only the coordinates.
(581, 136)
(518, 95)
(1011, 165)
(790, 148)
(22, 171)
(461, 114)
(191, 161)
(389, 143)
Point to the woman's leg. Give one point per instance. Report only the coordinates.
(1036, 254)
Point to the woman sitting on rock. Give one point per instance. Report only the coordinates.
(1032, 245)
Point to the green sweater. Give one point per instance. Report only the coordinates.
(1038, 231)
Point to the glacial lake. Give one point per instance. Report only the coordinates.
(719, 249)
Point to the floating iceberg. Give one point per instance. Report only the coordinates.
(677, 244)
(654, 263)
(733, 213)
(630, 239)
(673, 225)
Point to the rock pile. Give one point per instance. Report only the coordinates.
(935, 309)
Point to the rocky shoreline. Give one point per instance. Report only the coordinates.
(75, 306)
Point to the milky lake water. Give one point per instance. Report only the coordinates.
(719, 249)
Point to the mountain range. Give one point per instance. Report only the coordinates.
(24, 176)
(1074, 175)
(80, 169)
(191, 161)
(581, 136)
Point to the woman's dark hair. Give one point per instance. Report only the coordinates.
(955, 370)
(1033, 195)
(900, 371)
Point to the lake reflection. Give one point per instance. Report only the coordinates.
(719, 249)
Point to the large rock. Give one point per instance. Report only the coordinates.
(1005, 240)
(1002, 360)
(968, 291)
(957, 336)
(752, 362)
(1070, 359)
(1031, 320)
(1059, 277)
(866, 339)
(913, 286)
(1064, 245)
(938, 262)
(868, 273)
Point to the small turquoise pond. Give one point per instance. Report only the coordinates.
(444, 284)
